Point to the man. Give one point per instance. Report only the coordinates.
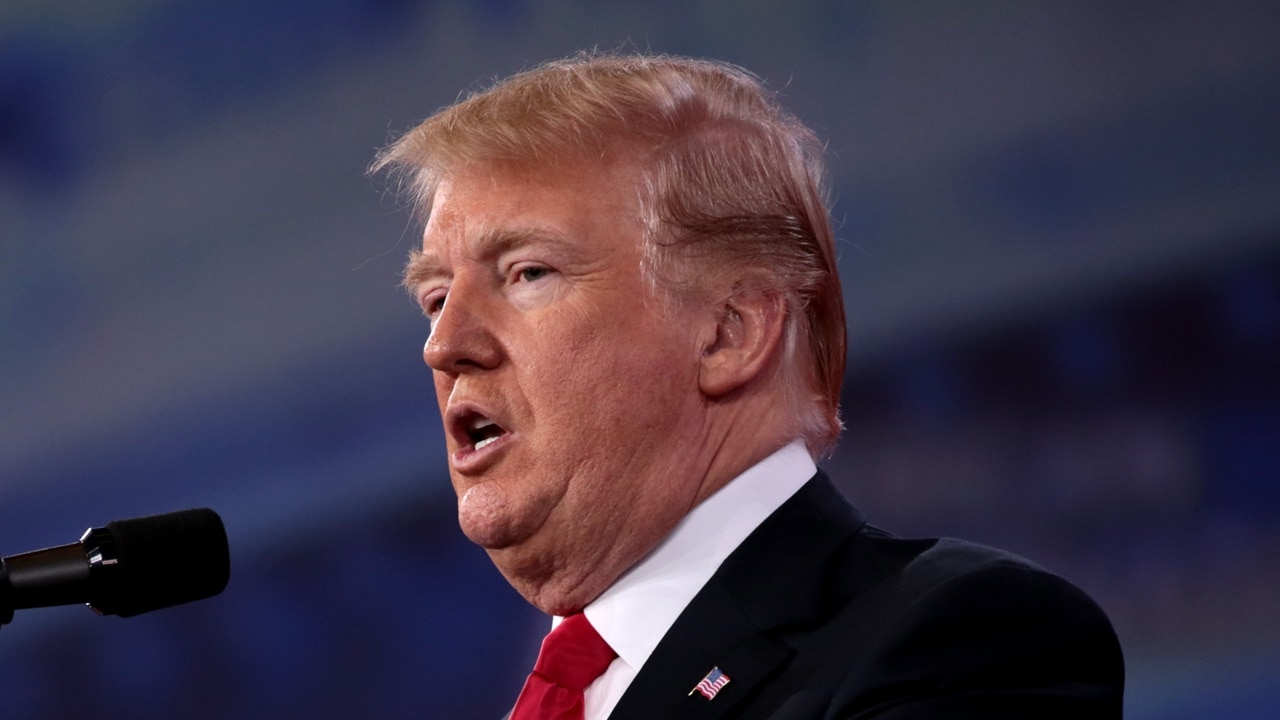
(637, 339)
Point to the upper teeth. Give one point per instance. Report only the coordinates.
(480, 423)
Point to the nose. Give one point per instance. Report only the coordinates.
(462, 338)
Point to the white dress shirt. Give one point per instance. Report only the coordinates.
(638, 609)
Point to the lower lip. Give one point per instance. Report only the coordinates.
(470, 460)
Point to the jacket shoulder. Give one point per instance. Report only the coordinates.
(966, 630)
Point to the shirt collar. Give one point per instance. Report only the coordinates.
(634, 613)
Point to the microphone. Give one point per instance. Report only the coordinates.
(127, 568)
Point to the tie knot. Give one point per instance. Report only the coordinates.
(573, 654)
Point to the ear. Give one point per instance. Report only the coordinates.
(748, 339)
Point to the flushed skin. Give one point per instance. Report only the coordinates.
(544, 322)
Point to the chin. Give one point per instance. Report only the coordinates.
(484, 514)
(488, 535)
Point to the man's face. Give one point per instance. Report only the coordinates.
(568, 387)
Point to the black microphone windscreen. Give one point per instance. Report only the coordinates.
(164, 560)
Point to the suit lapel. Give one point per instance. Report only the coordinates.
(711, 633)
(737, 621)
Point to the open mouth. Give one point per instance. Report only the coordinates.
(477, 439)
(482, 432)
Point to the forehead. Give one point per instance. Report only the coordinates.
(502, 206)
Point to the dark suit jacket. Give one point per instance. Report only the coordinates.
(818, 615)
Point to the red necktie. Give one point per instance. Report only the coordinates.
(572, 656)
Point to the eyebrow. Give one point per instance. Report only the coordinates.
(420, 268)
(423, 266)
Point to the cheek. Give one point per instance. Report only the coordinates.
(604, 370)
(621, 381)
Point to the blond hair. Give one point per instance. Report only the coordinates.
(729, 181)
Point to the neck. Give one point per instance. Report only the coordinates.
(733, 436)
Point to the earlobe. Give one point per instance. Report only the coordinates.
(748, 339)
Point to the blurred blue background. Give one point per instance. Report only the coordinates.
(1060, 239)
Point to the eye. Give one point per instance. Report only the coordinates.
(532, 272)
(433, 303)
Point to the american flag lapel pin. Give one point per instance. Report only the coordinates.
(711, 684)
